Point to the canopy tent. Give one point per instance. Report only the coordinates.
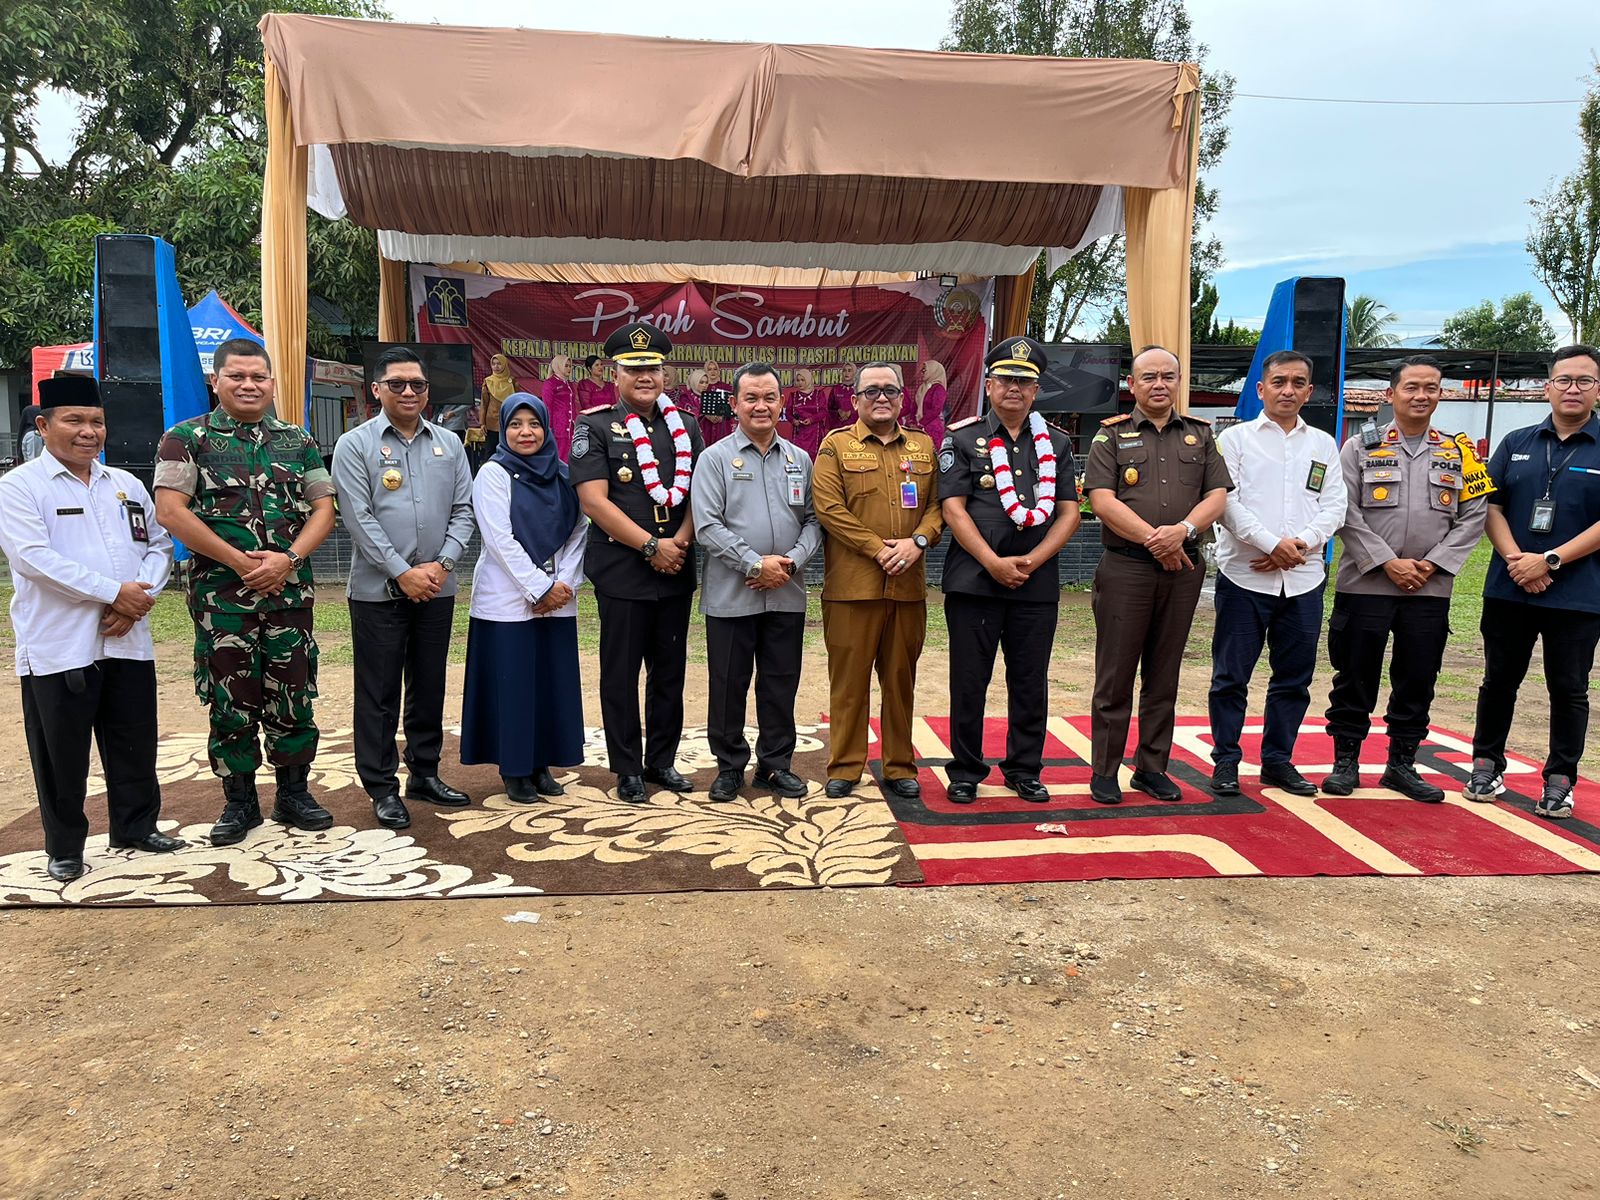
(765, 156)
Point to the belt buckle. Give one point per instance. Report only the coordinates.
(663, 514)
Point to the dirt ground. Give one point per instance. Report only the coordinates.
(1347, 1037)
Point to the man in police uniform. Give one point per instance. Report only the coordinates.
(1002, 587)
(877, 497)
(1411, 524)
(1156, 481)
(1544, 580)
(640, 558)
(249, 495)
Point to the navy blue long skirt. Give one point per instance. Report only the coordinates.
(523, 703)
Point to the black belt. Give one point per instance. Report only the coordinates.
(1190, 549)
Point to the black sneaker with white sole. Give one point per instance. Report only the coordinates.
(1556, 803)
(1486, 782)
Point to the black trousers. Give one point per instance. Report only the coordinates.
(1288, 627)
(1569, 636)
(768, 645)
(1023, 631)
(399, 642)
(1358, 636)
(652, 635)
(113, 702)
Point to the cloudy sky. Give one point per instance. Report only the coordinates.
(1424, 207)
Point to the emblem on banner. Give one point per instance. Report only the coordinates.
(955, 311)
(447, 301)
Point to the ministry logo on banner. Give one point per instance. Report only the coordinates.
(447, 301)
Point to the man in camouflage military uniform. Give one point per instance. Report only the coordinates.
(250, 497)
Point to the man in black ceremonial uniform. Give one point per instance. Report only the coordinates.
(1002, 588)
(640, 556)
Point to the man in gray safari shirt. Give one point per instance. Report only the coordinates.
(407, 505)
(752, 512)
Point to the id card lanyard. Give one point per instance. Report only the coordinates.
(908, 486)
(1543, 518)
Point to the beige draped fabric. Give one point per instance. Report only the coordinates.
(394, 303)
(1013, 300)
(283, 253)
(1159, 229)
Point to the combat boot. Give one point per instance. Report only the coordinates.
(1401, 775)
(295, 805)
(240, 814)
(1346, 776)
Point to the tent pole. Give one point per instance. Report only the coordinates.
(1488, 420)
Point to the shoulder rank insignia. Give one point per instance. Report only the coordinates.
(1195, 419)
(598, 408)
(1117, 420)
(963, 424)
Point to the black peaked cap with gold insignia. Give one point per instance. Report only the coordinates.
(1016, 358)
(638, 345)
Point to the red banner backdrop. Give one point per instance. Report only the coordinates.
(937, 335)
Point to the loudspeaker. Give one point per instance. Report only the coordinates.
(128, 351)
(1319, 333)
(134, 424)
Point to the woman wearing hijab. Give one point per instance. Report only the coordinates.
(497, 385)
(561, 400)
(523, 703)
(928, 415)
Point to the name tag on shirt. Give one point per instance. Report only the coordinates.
(138, 527)
(69, 512)
(743, 475)
(908, 494)
(1316, 477)
(797, 489)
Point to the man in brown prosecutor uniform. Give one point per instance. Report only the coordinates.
(877, 495)
(1156, 481)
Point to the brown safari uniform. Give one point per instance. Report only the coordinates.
(869, 617)
(1143, 612)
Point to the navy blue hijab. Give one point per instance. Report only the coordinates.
(544, 504)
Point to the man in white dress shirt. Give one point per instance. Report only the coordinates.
(1288, 501)
(88, 559)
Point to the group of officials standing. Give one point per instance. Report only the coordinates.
(249, 495)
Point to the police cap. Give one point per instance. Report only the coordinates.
(1016, 358)
(638, 345)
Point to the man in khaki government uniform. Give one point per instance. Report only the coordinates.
(876, 494)
(1417, 508)
(1156, 480)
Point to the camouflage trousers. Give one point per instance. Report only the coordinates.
(257, 672)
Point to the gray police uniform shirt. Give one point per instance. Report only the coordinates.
(403, 503)
(602, 448)
(748, 505)
(965, 469)
(1405, 503)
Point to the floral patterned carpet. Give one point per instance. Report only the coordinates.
(585, 842)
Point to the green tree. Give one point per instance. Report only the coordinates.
(169, 94)
(1518, 325)
(1115, 331)
(1564, 239)
(1096, 277)
(1366, 323)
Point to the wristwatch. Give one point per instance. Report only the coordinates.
(919, 541)
(295, 561)
(1190, 526)
(649, 548)
(753, 571)
(449, 564)
(1554, 559)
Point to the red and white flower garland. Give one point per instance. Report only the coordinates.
(1006, 485)
(649, 468)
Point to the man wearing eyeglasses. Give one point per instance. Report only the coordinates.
(1415, 513)
(405, 490)
(1009, 494)
(1544, 580)
(876, 496)
(250, 497)
(1156, 480)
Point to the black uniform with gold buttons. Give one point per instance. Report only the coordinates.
(644, 614)
(984, 617)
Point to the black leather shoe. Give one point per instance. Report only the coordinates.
(1029, 788)
(837, 789)
(782, 783)
(435, 791)
(727, 786)
(152, 843)
(1104, 789)
(240, 814)
(295, 805)
(1225, 779)
(1346, 775)
(65, 870)
(1401, 775)
(391, 811)
(545, 783)
(962, 793)
(1156, 783)
(630, 788)
(1284, 777)
(520, 789)
(906, 789)
(667, 777)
